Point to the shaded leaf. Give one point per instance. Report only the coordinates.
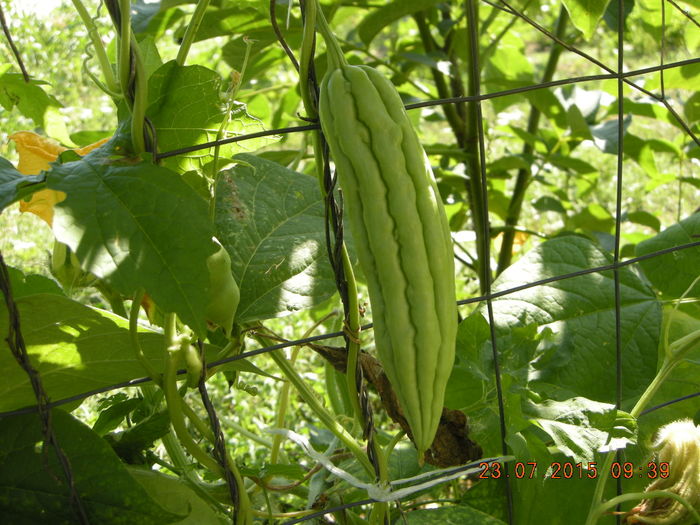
(137, 225)
(15, 186)
(177, 497)
(271, 221)
(32, 489)
(75, 348)
(684, 263)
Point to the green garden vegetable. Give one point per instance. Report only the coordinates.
(401, 235)
(65, 267)
(224, 294)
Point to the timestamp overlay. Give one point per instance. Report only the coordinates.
(568, 470)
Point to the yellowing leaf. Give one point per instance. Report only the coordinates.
(35, 153)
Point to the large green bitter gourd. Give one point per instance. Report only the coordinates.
(401, 235)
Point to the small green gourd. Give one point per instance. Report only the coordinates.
(400, 231)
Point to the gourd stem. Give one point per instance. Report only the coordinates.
(174, 402)
(283, 399)
(191, 31)
(336, 58)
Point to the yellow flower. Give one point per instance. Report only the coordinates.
(35, 153)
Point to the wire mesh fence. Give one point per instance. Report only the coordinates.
(617, 74)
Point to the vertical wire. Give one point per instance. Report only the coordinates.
(618, 215)
(472, 18)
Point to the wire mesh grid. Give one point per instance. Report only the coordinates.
(622, 78)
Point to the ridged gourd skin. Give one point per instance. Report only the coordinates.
(401, 236)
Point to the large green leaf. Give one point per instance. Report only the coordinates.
(186, 108)
(271, 221)
(177, 497)
(74, 348)
(137, 225)
(586, 14)
(33, 488)
(579, 353)
(673, 273)
(33, 102)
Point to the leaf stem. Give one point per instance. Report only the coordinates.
(191, 31)
(336, 58)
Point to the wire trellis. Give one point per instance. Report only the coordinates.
(622, 79)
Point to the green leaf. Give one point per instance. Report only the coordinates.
(239, 19)
(378, 19)
(177, 497)
(611, 13)
(111, 417)
(586, 14)
(15, 186)
(33, 102)
(74, 348)
(561, 333)
(130, 443)
(23, 285)
(271, 221)
(546, 203)
(673, 273)
(186, 109)
(137, 226)
(645, 219)
(580, 427)
(456, 515)
(691, 108)
(33, 487)
(681, 77)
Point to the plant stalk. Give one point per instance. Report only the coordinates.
(191, 31)
(524, 175)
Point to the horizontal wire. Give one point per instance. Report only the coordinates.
(333, 335)
(437, 102)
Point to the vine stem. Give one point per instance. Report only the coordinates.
(283, 399)
(315, 405)
(638, 496)
(105, 65)
(191, 31)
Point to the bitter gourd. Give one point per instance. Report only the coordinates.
(401, 236)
